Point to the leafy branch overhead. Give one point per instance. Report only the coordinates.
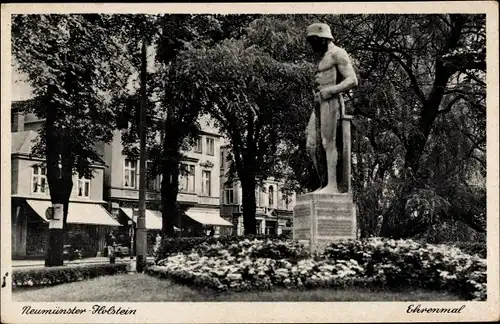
(74, 66)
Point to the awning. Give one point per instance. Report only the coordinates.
(207, 218)
(78, 213)
(153, 218)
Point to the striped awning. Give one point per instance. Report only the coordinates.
(153, 218)
(78, 213)
(208, 218)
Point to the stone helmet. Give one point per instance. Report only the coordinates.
(319, 30)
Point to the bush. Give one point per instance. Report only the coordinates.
(472, 248)
(172, 246)
(255, 264)
(64, 274)
(264, 264)
(406, 262)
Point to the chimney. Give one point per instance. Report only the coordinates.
(17, 123)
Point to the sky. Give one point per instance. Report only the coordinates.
(21, 90)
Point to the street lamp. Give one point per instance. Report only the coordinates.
(141, 247)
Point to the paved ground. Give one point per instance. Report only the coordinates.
(41, 263)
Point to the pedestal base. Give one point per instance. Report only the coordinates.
(319, 219)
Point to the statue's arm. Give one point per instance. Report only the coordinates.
(345, 68)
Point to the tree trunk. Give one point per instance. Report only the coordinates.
(248, 188)
(170, 176)
(169, 210)
(59, 163)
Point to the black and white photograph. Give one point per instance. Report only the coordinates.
(339, 159)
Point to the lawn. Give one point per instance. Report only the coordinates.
(144, 288)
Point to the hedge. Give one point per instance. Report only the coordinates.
(264, 264)
(57, 275)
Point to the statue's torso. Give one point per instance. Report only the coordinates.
(326, 74)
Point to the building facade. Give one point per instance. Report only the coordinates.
(88, 221)
(198, 190)
(274, 210)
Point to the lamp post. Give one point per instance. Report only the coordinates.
(141, 243)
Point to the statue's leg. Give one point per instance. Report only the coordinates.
(311, 144)
(330, 111)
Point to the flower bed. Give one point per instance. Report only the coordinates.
(58, 275)
(406, 262)
(172, 246)
(264, 264)
(472, 248)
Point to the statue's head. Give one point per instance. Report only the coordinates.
(318, 36)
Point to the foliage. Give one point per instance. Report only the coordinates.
(74, 61)
(172, 116)
(419, 116)
(73, 64)
(171, 246)
(248, 265)
(472, 248)
(248, 92)
(407, 262)
(58, 275)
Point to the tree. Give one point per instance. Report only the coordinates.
(172, 119)
(70, 61)
(415, 71)
(248, 92)
(179, 34)
(418, 75)
(430, 73)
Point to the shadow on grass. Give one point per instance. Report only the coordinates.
(144, 288)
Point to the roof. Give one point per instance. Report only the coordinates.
(21, 142)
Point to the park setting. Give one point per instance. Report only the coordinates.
(248, 157)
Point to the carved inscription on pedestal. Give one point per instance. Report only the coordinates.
(321, 219)
(335, 227)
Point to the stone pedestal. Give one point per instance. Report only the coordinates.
(319, 219)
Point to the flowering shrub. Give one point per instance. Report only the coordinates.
(64, 274)
(406, 262)
(473, 248)
(171, 246)
(264, 264)
(256, 264)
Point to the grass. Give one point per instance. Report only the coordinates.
(144, 288)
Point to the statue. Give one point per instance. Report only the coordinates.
(334, 65)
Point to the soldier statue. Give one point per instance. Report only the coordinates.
(335, 75)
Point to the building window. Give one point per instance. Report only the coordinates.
(206, 183)
(257, 196)
(210, 146)
(39, 180)
(229, 194)
(83, 187)
(130, 174)
(187, 183)
(271, 196)
(222, 160)
(198, 147)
